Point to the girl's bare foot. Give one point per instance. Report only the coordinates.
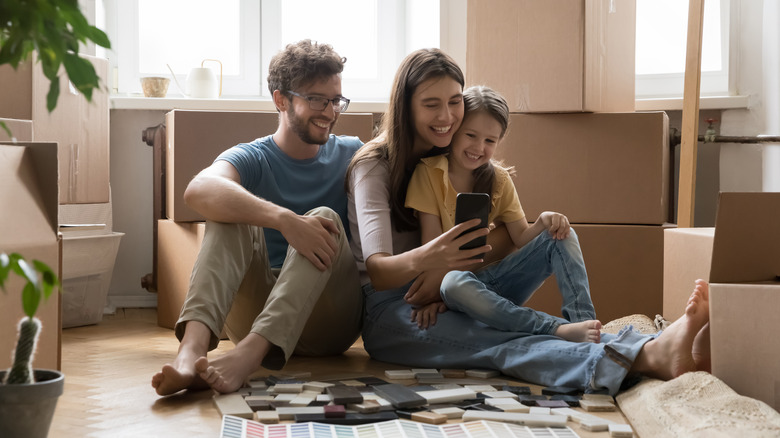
(228, 372)
(585, 331)
(671, 354)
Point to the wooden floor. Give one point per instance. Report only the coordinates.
(108, 369)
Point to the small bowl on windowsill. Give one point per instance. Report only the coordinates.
(155, 86)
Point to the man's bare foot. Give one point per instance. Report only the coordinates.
(178, 376)
(585, 331)
(671, 354)
(228, 372)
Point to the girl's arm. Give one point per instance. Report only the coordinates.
(556, 223)
(430, 226)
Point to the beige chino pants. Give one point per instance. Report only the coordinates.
(297, 308)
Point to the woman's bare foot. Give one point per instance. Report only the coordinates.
(585, 331)
(701, 350)
(228, 372)
(671, 354)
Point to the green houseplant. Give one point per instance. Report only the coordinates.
(27, 396)
(53, 29)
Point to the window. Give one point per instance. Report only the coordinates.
(661, 33)
(244, 34)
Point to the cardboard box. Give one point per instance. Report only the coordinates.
(87, 266)
(178, 244)
(745, 347)
(606, 168)
(743, 247)
(21, 130)
(625, 271)
(28, 199)
(196, 138)
(554, 55)
(79, 127)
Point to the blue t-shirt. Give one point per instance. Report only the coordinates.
(299, 185)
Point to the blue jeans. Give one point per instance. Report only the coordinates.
(495, 295)
(458, 341)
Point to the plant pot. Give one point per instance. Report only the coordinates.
(26, 410)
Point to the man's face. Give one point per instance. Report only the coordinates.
(311, 126)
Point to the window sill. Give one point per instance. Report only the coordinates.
(706, 102)
(219, 104)
(258, 104)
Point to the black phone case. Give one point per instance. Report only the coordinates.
(469, 206)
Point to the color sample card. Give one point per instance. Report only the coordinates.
(235, 427)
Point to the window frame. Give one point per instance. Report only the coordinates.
(713, 83)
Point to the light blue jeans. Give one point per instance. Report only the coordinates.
(495, 295)
(458, 341)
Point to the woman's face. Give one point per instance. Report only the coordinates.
(437, 110)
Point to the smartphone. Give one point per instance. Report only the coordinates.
(469, 206)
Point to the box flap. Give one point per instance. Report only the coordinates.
(29, 199)
(746, 246)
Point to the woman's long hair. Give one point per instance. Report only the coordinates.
(395, 141)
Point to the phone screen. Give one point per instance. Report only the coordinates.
(469, 206)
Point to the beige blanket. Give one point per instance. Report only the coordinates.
(696, 405)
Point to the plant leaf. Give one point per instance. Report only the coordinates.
(48, 277)
(5, 268)
(31, 297)
(53, 95)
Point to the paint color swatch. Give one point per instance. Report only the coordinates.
(235, 427)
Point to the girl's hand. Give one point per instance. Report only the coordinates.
(426, 316)
(556, 224)
(444, 251)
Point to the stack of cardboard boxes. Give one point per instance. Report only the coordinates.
(80, 130)
(193, 140)
(566, 68)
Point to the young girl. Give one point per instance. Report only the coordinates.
(488, 295)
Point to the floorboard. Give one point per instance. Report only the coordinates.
(108, 369)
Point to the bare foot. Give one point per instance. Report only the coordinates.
(178, 376)
(671, 354)
(228, 372)
(585, 331)
(701, 350)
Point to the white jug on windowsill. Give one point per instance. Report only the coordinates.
(201, 82)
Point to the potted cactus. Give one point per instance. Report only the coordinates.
(27, 396)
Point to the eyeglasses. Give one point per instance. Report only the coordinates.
(319, 103)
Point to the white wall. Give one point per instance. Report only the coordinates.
(754, 168)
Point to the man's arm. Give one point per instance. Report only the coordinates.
(217, 194)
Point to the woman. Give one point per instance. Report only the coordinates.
(425, 109)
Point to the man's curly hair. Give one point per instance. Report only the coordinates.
(302, 63)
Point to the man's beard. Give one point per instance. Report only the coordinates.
(301, 128)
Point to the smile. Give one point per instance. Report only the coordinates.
(443, 129)
(321, 124)
(472, 156)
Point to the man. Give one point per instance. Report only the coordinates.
(275, 268)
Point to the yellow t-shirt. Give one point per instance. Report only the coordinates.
(430, 191)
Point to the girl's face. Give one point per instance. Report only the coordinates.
(475, 142)
(437, 110)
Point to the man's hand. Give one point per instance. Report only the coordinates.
(426, 316)
(312, 237)
(425, 288)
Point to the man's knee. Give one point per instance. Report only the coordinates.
(327, 213)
